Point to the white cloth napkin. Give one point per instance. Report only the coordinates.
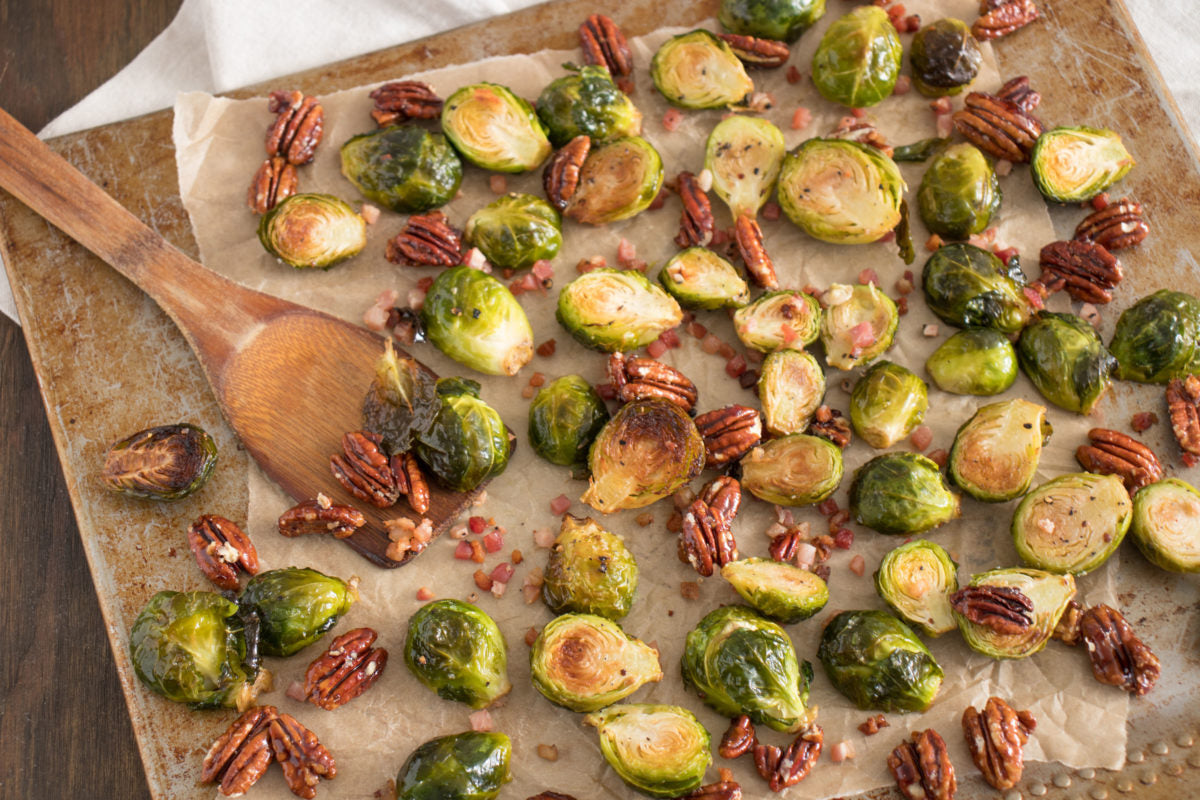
(219, 45)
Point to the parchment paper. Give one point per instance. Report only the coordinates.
(1080, 722)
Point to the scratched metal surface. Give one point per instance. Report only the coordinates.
(110, 362)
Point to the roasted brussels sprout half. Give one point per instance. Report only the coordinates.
(783, 20)
(995, 453)
(1066, 361)
(494, 129)
(784, 318)
(901, 493)
(467, 442)
(402, 167)
(699, 278)
(859, 324)
(458, 651)
(976, 361)
(916, 580)
(1072, 523)
(166, 462)
(841, 191)
(1072, 165)
(401, 402)
(464, 766)
(877, 662)
(312, 230)
(659, 750)
(587, 102)
(744, 155)
(699, 70)
(858, 60)
(590, 571)
(1158, 338)
(646, 452)
(584, 662)
(190, 647)
(741, 663)
(779, 591)
(618, 180)
(887, 403)
(474, 318)
(616, 310)
(515, 230)
(790, 388)
(968, 286)
(1049, 593)
(295, 606)
(1166, 524)
(959, 192)
(945, 58)
(793, 470)
(564, 418)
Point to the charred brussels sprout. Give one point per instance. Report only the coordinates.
(1072, 523)
(859, 324)
(744, 155)
(916, 580)
(616, 310)
(901, 493)
(1049, 595)
(790, 388)
(564, 418)
(163, 463)
(646, 452)
(995, 453)
(945, 58)
(741, 663)
(618, 180)
(404, 168)
(312, 230)
(474, 318)
(968, 286)
(779, 591)
(584, 662)
(588, 103)
(1072, 165)
(698, 70)
(590, 571)
(457, 650)
(779, 319)
(1166, 525)
(782, 20)
(699, 278)
(465, 766)
(877, 662)
(515, 230)
(401, 402)
(494, 129)
(467, 442)
(1158, 338)
(1066, 361)
(959, 192)
(295, 606)
(976, 361)
(793, 470)
(887, 403)
(659, 750)
(858, 60)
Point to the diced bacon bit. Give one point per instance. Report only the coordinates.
(749, 380)
(771, 211)
(517, 556)
(704, 180)
(462, 551)
(784, 516)
(475, 259)
(710, 344)
(789, 334)
(494, 541)
(498, 183)
(560, 504)
(775, 529)
(984, 240)
(370, 213)
(755, 357)
(481, 721)
(843, 539)
(842, 750)
(645, 518)
(867, 276)
(672, 118)
(543, 537)
(801, 118)
(503, 572)
(531, 636)
(547, 752)
(1143, 420)
(838, 518)
(1090, 313)
(930, 330)
(670, 338)
(902, 305)
(939, 457)
(543, 270)
(537, 379)
(1006, 254)
(944, 125)
(735, 366)
(675, 522)
(425, 593)
(1004, 167)
(683, 498)
(476, 551)
(887, 238)
(659, 200)
(688, 316)
(726, 351)
(793, 75)
(720, 236)
(526, 283)
(912, 24)
(606, 391)
(1100, 201)
(940, 105)
(873, 725)
(482, 580)
(626, 252)
(296, 691)
(904, 286)
(934, 242)
(589, 264)
(656, 348)
(507, 273)
(1034, 297)
(827, 507)
(858, 113)
(903, 85)
(806, 554)
(861, 336)
(822, 571)
(480, 499)
(477, 524)
(416, 300)
(689, 590)
(424, 284)
(376, 317)
(547, 348)
(527, 392)
(921, 438)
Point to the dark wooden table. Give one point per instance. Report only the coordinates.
(64, 729)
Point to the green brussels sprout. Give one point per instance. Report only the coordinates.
(779, 591)
(968, 286)
(647, 451)
(790, 388)
(618, 180)
(699, 70)
(700, 279)
(793, 470)
(945, 58)
(458, 651)
(877, 662)
(1166, 524)
(467, 442)
(959, 192)
(783, 20)
(464, 766)
(312, 230)
(494, 129)
(901, 493)
(741, 663)
(916, 580)
(296, 605)
(887, 403)
(1158, 338)
(841, 191)
(515, 230)
(166, 462)
(858, 60)
(190, 647)
(659, 750)
(587, 103)
(615, 310)
(590, 571)
(918, 151)
(584, 662)
(474, 318)
(564, 418)
(976, 361)
(1073, 165)
(403, 167)
(1072, 523)
(859, 324)
(1049, 593)
(401, 402)
(1066, 361)
(744, 155)
(779, 319)
(995, 453)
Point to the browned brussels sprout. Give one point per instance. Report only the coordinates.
(1158, 338)
(784, 318)
(1074, 164)
(901, 493)
(659, 750)
(782, 20)
(458, 651)
(794, 470)
(465, 766)
(945, 58)
(312, 230)
(959, 193)
(1066, 361)
(790, 387)
(877, 662)
(916, 580)
(858, 60)
(699, 278)
(590, 571)
(779, 591)
(968, 286)
(166, 462)
(564, 418)
(888, 401)
(584, 662)
(618, 180)
(1166, 524)
(515, 230)
(401, 402)
(744, 155)
(859, 324)
(616, 310)
(467, 443)
(1072, 523)
(699, 70)
(494, 129)
(587, 102)
(403, 167)
(296, 606)
(996, 452)
(978, 361)
(474, 318)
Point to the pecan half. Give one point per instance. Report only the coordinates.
(221, 549)
(411, 481)
(998, 127)
(1183, 402)
(1019, 92)
(721, 790)
(242, 754)
(364, 471)
(399, 101)
(636, 378)
(1118, 225)
(729, 433)
(604, 44)
(755, 52)
(275, 180)
(782, 768)
(828, 423)
(784, 546)
(303, 758)
(1119, 657)
(1004, 609)
(739, 738)
(749, 240)
(1067, 628)
(707, 536)
(427, 240)
(320, 516)
(560, 179)
(1114, 453)
(1085, 269)
(995, 737)
(296, 132)
(1004, 18)
(696, 223)
(347, 669)
(922, 767)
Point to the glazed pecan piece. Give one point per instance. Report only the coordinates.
(755, 52)
(785, 767)
(1002, 19)
(297, 129)
(636, 378)
(739, 738)
(275, 180)
(1119, 657)
(347, 669)
(407, 538)
(400, 101)
(1019, 92)
(411, 481)
(707, 536)
(749, 240)
(828, 423)
(1067, 629)
(560, 179)
(1117, 225)
(873, 725)
(604, 44)
(729, 433)
(1183, 402)
(696, 223)
(995, 737)
(364, 470)
(221, 549)
(1113, 453)
(1004, 609)
(1086, 270)
(303, 758)
(922, 767)
(427, 240)
(998, 127)
(320, 516)
(725, 789)
(242, 754)
(853, 129)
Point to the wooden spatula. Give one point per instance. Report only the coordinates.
(289, 379)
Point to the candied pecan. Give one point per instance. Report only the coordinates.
(221, 549)
(995, 737)
(782, 768)
(828, 423)
(729, 433)
(783, 547)
(303, 758)
(347, 669)
(1003, 19)
(242, 754)
(707, 535)
(636, 378)
(400, 101)
(364, 471)
(1113, 453)
(922, 767)
(1004, 609)
(873, 725)
(1085, 269)
(739, 738)
(413, 481)
(750, 246)
(297, 129)
(1019, 92)
(755, 52)
(427, 240)
(1183, 402)
(858, 130)
(696, 223)
(1067, 628)
(560, 179)
(320, 516)
(275, 180)
(605, 45)
(998, 127)
(409, 538)
(1118, 656)
(721, 790)
(1118, 225)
